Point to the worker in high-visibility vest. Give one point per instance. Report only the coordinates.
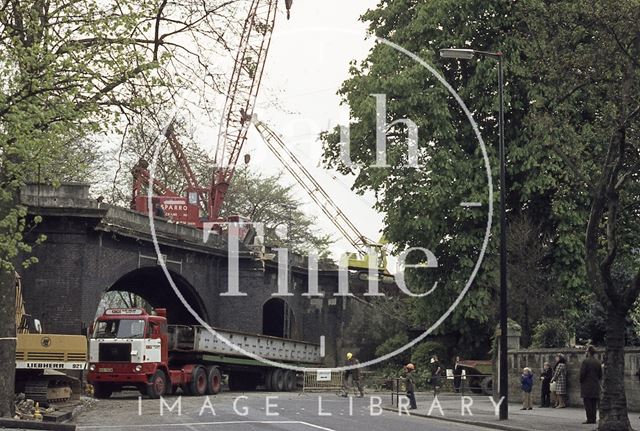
(354, 374)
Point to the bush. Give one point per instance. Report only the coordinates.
(423, 352)
(551, 333)
(392, 344)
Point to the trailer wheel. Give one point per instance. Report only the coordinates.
(102, 390)
(214, 381)
(277, 380)
(157, 385)
(267, 379)
(290, 383)
(198, 384)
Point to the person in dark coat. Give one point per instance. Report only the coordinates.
(457, 374)
(436, 372)
(545, 391)
(410, 385)
(590, 377)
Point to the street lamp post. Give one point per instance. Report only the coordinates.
(468, 54)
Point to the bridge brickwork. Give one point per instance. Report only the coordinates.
(91, 248)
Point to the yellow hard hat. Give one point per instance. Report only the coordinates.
(349, 355)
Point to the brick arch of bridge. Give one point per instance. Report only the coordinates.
(279, 319)
(152, 284)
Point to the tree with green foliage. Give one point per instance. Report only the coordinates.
(572, 152)
(530, 285)
(589, 104)
(265, 199)
(422, 206)
(70, 72)
(549, 333)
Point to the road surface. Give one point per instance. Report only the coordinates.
(254, 411)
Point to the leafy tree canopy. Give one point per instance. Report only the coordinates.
(559, 108)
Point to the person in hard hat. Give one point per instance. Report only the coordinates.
(352, 374)
(410, 385)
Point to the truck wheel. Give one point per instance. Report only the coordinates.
(102, 390)
(198, 383)
(290, 383)
(475, 385)
(157, 385)
(214, 381)
(267, 379)
(277, 380)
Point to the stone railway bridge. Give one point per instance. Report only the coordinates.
(92, 248)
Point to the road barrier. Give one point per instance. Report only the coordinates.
(318, 381)
(469, 385)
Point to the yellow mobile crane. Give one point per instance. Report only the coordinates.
(41, 358)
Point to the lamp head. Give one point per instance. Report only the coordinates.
(463, 54)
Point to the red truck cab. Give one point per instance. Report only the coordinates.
(129, 349)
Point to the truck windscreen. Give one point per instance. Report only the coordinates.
(125, 328)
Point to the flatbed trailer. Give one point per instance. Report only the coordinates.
(133, 349)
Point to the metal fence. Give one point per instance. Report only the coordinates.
(322, 381)
(469, 385)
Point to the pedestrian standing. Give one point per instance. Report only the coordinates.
(410, 385)
(436, 372)
(457, 374)
(590, 377)
(545, 391)
(560, 379)
(526, 384)
(552, 386)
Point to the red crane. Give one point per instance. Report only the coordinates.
(204, 204)
(243, 91)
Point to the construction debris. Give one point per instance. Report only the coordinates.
(28, 409)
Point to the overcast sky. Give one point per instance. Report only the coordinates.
(308, 61)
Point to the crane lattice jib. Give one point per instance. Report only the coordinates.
(315, 191)
(185, 168)
(241, 97)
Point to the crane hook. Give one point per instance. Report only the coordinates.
(288, 3)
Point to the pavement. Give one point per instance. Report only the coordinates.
(481, 412)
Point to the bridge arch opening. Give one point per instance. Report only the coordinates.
(277, 318)
(149, 288)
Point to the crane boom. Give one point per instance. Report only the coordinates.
(241, 98)
(142, 179)
(185, 168)
(315, 191)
